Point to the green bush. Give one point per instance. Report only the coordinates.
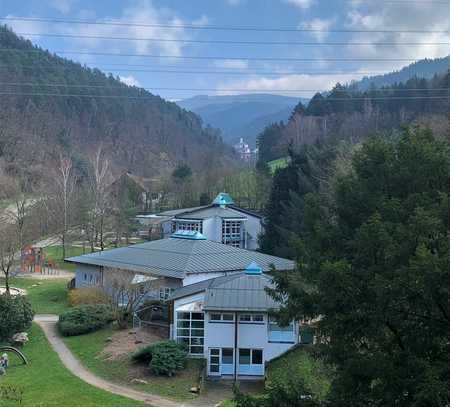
(143, 355)
(167, 358)
(16, 315)
(84, 319)
(164, 358)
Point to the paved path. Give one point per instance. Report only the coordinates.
(48, 325)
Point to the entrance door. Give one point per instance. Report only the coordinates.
(214, 362)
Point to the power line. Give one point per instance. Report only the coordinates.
(124, 87)
(151, 97)
(203, 72)
(218, 58)
(220, 28)
(232, 42)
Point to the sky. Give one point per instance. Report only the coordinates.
(206, 64)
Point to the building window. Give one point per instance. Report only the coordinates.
(232, 233)
(196, 226)
(227, 356)
(190, 331)
(251, 318)
(165, 292)
(221, 317)
(283, 334)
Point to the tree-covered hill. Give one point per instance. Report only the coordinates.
(48, 103)
(346, 113)
(424, 68)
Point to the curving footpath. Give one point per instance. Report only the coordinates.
(48, 325)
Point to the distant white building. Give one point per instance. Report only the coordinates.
(243, 149)
(221, 221)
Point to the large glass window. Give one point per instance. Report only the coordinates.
(233, 232)
(190, 225)
(190, 331)
(279, 333)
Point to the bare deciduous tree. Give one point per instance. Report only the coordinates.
(99, 179)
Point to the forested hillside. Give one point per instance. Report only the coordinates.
(49, 104)
(346, 113)
(425, 68)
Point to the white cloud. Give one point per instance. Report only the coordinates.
(63, 6)
(397, 16)
(231, 64)
(303, 4)
(129, 80)
(291, 85)
(319, 24)
(138, 12)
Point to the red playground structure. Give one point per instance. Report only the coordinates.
(33, 260)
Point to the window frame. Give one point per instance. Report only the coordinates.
(191, 339)
(252, 319)
(221, 320)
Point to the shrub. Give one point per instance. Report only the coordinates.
(84, 319)
(87, 296)
(164, 358)
(167, 358)
(16, 315)
(143, 355)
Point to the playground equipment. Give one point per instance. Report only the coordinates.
(33, 260)
(15, 351)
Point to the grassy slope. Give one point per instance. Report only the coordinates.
(49, 297)
(45, 382)
(56, 254)
(88, 347)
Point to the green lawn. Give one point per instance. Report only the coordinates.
(301, 362)
(45, 382)
(278, 164)
(88, 348)
(46, 297)
(56, 254)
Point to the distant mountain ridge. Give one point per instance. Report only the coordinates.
(425, 68)
(244, 115)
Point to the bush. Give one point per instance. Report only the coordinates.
(16, 315)
(164, 358)
(167, 358)
(87, 296)
(143, 355)
(84, 319)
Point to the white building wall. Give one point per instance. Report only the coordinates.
(254, 229)
(222, 334)
(209, 230)
(87, 276)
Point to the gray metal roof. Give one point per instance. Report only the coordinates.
(175, 212)
(236, 292)
(211, 212)
(178, 257)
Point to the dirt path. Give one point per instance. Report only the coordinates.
(48, 325)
